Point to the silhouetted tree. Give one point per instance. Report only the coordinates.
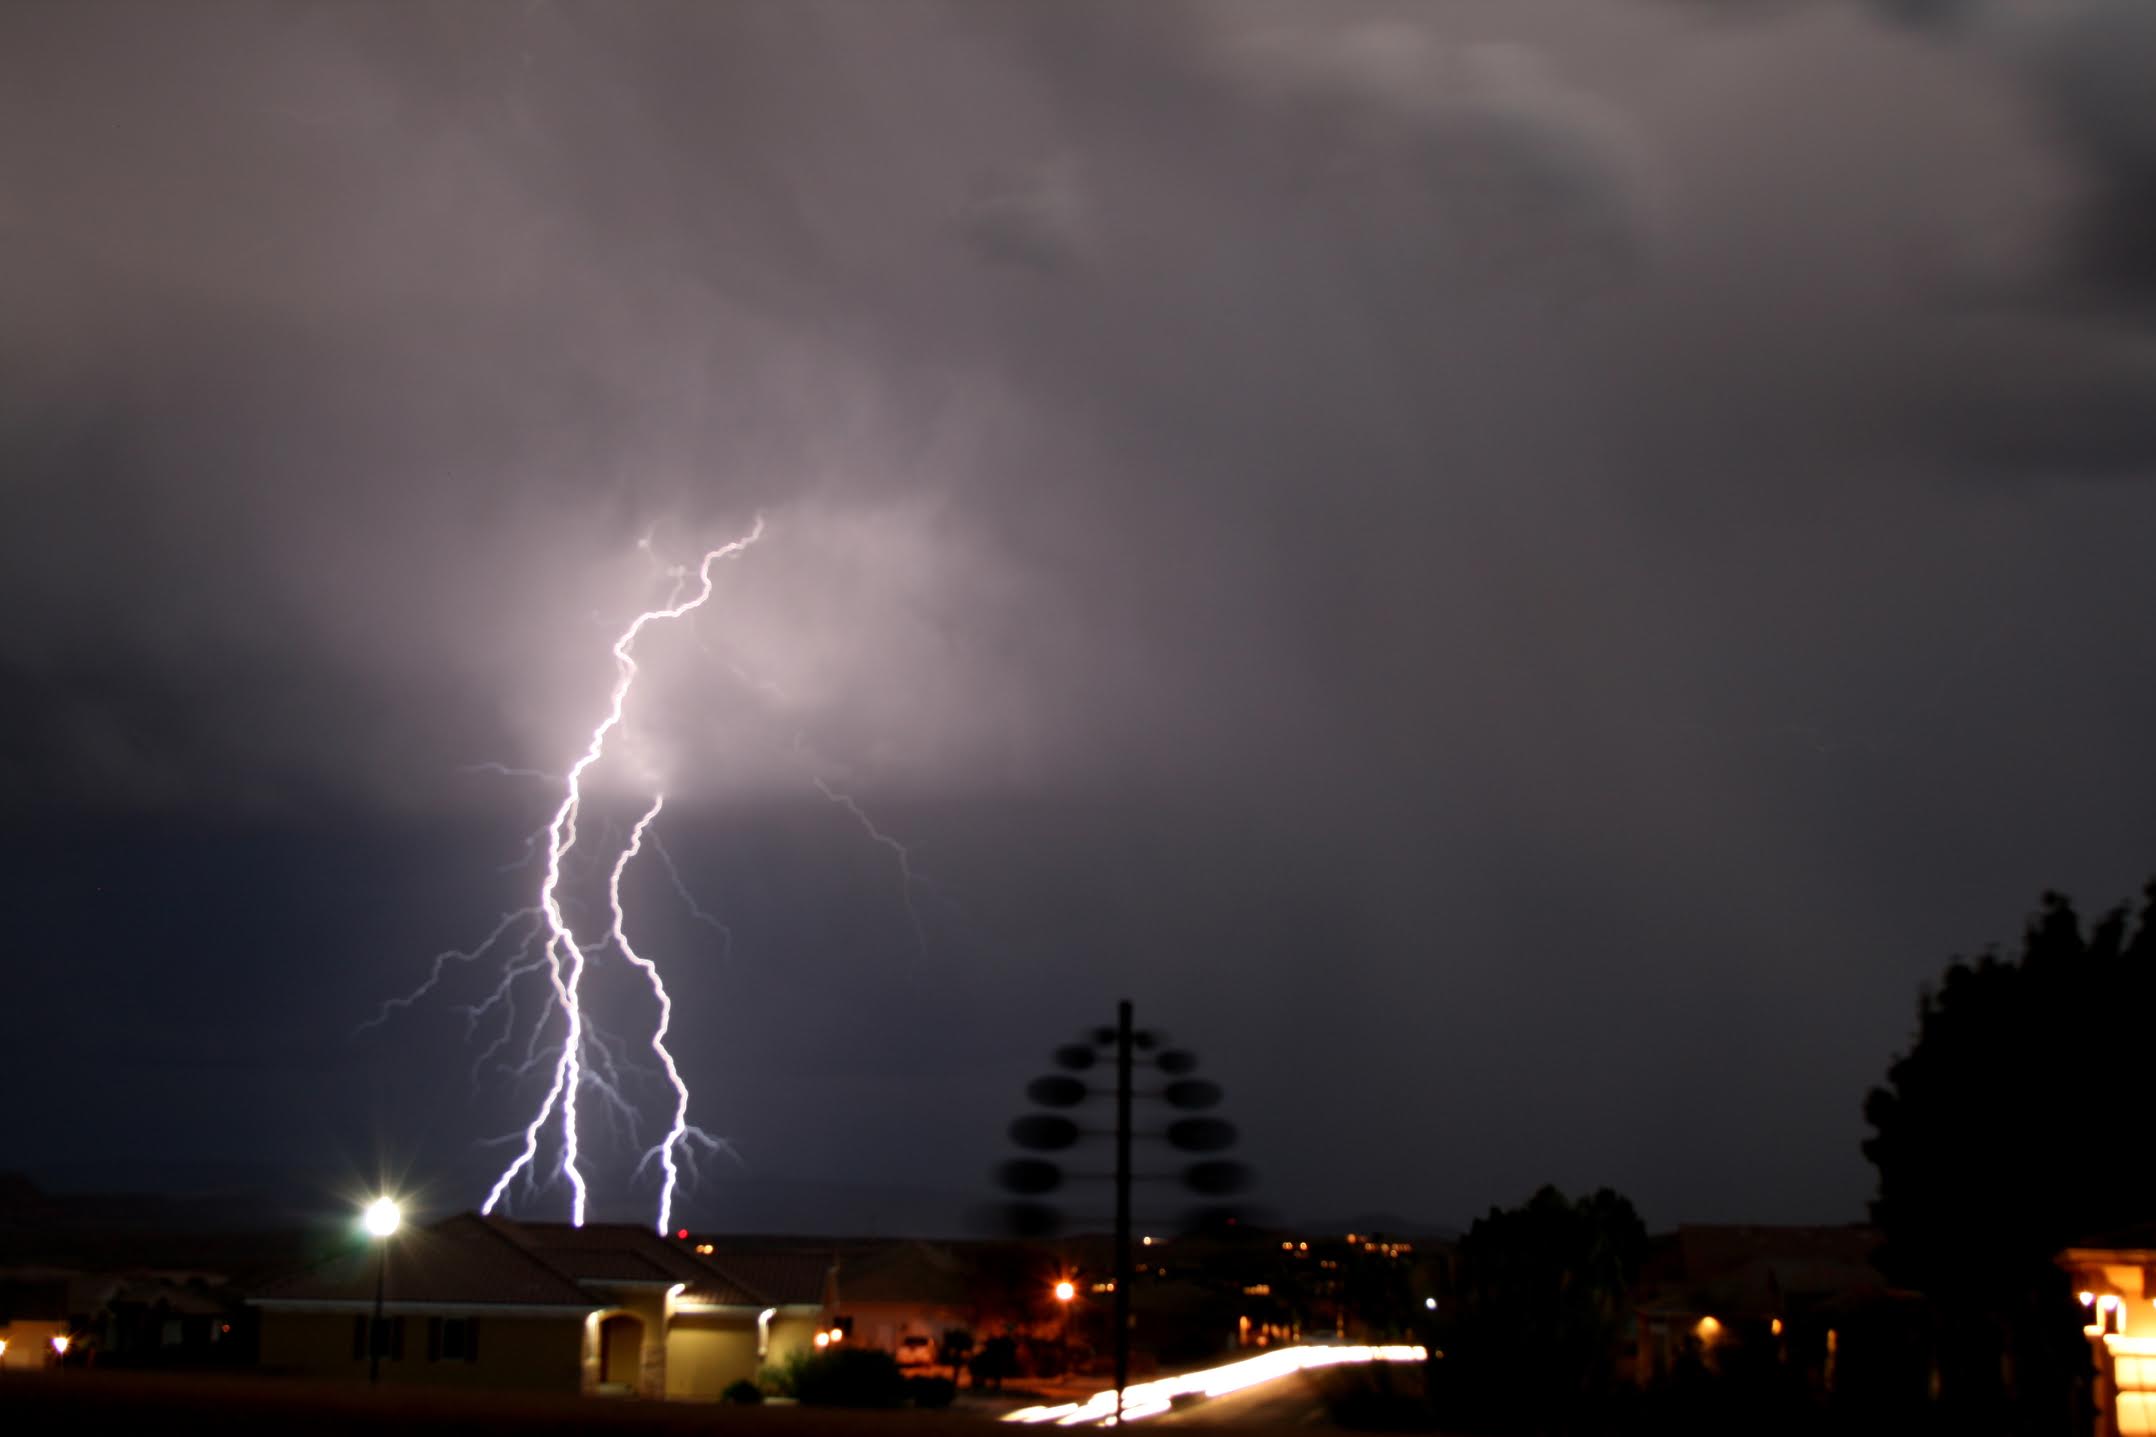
(2011, 1129)
(1540, 1308)
(996, 1360)
(849, 1376)
(953, 1348)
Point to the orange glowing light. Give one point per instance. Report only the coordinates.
(1066, 1290)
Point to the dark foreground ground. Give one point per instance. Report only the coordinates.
(33, 1404)
(159, 1405)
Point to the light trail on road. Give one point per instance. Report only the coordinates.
(1150, 1399)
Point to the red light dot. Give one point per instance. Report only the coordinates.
(683, 1234)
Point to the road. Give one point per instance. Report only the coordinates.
(1290, 1401)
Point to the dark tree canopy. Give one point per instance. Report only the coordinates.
(1541, 1303)
(2015, 1124)
(2013, 1128)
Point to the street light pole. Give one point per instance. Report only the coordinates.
(374, 1333)
(382, 1220)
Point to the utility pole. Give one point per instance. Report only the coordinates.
(1122, 1205)
(1034, 1178)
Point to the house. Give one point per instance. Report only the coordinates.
(757, 1307)
(903, 1297)
(478, 1301)
(1806, 1300)
(35, 1317)
(165, 1319)
(2114, 1280)
(463, 1305)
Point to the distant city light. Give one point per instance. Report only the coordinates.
(383, 1217)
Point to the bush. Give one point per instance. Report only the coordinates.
(744, 1391)
(931, 1392)
(850, 1377)
(783, 1379)
(996, 1360)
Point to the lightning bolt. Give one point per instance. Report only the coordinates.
(541, 938)
(565, 958)
(676, 1135)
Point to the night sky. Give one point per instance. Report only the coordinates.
(1518, 575)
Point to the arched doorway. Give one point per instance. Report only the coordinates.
(621, 1351)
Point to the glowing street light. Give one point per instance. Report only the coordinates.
(60, 1344)
(382, 1219)
(1066, 1290)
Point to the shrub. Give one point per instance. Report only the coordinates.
(783, 1379)
(996, 1360)
(850, 1377)
(744, 1391)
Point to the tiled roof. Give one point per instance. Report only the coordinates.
(904, 1272)
(462, 1260)
(474, 1260)
(1759, 1270)
(606, 1252)
(2141, 1237)
(782, 1279)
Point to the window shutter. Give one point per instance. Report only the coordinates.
(396, 1339)
(471, 1339)
(359, 1337)
(434, 1339)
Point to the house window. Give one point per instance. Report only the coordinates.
(452, 1339)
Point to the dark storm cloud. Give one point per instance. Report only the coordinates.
(1508, 557)
(2088, 65)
